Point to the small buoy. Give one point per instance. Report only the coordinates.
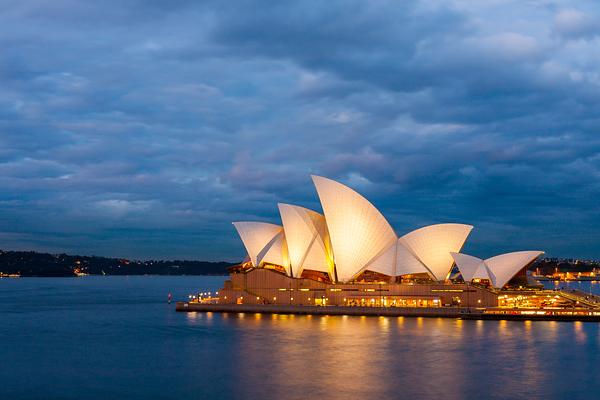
(169, 298)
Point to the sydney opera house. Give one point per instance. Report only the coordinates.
(350, 255)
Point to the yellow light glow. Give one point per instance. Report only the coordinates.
(358, 231)
(303, 227)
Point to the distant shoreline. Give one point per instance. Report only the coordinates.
(40, 265)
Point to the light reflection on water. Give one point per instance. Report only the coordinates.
(361, 357)
(123, 341)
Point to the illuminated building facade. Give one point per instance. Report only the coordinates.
(350, 255)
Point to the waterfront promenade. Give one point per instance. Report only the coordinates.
(572, 314)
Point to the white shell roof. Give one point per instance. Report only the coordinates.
(307, 239)
(397, 260)
(499, 269)
(468, 265)
(353, 236)
(433, 244)
(256, 236)
(385, 263)
(357, 230)
(483, 272)
(505, 266)
(407, 263)
(276, 252)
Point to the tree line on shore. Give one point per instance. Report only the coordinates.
(30, 263)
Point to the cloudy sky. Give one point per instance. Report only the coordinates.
(143, 128)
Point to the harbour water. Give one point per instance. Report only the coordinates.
(116, 337)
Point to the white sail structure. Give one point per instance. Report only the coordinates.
(470, 266)
(352, 236)
(276, 252)
(467, 265)
(498, 270)
(505, 266)
(433, 244)
(264, 242)
(385, 263)
(407, 263)
(397, 260)
(307, 240)
(358, 231)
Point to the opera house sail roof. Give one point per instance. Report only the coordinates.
(358, 231)
(264, 242)
(352, 236)
(498, 269)
(307, 239)
(432, 246)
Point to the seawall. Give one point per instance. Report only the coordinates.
(441, 312)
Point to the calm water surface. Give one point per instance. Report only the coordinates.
(116, 337)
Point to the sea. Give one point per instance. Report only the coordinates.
(109, 337)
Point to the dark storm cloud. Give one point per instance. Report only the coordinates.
(142, 129)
